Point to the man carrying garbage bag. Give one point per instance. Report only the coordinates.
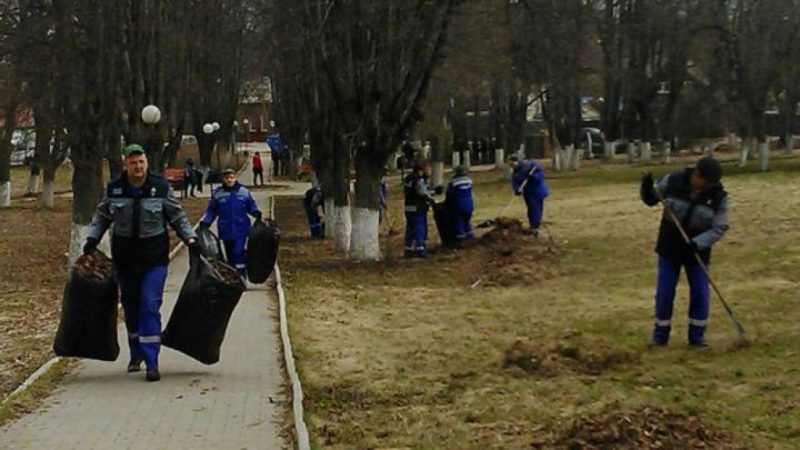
(418, 199)
(230, 204)
(140, 204)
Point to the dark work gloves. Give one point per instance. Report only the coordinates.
(90, 245)
(648, 190)
(257, 216)
(195, 247)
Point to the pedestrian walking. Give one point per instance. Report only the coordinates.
(140, 204)
(418, 199)
(459, 199)
(258, 169)
(383, 190)
(189, 178)
(230, 205)
(701, 205)
(314, 206)
(528, 181)
(276, 152)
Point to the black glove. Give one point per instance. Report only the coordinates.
(195, 247)
(693, 247)
(517, 192)
(203, 225)
(648, 191)
(438, 190)
(257, 216)
(90, 245)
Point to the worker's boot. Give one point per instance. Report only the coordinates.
(152, 375)
(135, 365)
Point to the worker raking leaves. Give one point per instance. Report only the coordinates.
(696, 216)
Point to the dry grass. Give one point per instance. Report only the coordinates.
(406, 354)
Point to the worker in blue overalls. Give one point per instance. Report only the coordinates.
(528, 181)
(459, 197)
(140, 204)
(313, 202)
(231, 203)
(418, 199)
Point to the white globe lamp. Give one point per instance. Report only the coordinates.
(215, 125)
(151, 115)
(208, 128)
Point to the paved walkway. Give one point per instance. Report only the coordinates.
(234, 404)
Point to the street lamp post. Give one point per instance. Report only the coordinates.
(208, 129)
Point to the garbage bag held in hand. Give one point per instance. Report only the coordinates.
(262, 251)
(444, 217)
(211, 244)
(88, 326)
(205, 304)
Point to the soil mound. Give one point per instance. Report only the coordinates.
(568, 354)
(641, 428)
(508, 254)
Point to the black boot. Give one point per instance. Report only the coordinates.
(152, 375)
(135, 365)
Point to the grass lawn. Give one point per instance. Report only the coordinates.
(416, 353)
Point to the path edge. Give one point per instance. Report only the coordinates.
(301, 430)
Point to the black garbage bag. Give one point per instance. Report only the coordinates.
(88, 326)
(262, 251)
(444, 217)
(205, 304)
(212, 246)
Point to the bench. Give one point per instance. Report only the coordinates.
(175, 179)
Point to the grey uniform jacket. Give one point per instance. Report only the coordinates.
(140, 217)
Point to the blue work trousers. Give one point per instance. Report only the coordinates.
(142, 293)
(463, 225)
(668, 274)
(416, 237)
(237, 257)
(315, 225)
(535, 211)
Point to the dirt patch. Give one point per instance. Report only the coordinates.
(646, 427)
(508, 255)
(570, 353)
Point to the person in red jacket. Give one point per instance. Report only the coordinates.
(258, 169)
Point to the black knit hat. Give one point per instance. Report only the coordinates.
(710, 169)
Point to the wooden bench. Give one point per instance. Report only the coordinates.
(175, 179)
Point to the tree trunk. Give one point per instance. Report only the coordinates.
(5, 155)
(33, 183)
(499, 158)
(456, 159)
(731, 141)
(437, 162)
(631, 147)
(48, 188)
(763, 155)
(558, 159)
(608, 150)
(646, 152)
(790, 143)
(87, 188)
(364, 240)
(666, 152)
(747, 147)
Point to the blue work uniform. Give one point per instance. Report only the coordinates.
(384, 195)
(534, 192)
(231, 206)
(459, 196)
(418, 197)
(312, 202)
(140, 252)
(704, 216)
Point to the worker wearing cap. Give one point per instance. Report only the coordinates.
(418, 198)
(527, 180)
(140, 204)
(699, 201)
(230, 204)
(459, 197)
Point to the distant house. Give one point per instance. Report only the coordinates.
(253, 113)
(24, 138)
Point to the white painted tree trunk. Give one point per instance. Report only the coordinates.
(574, 156)
(631, 152)
(342, 226)
(48, 194)
(732, 141)
(5, 194)
(393, 161)
(455, 160)
(745, 153)
(646, 152)
(467, 163)
(666, 153)
(790, 144)
(499, 158)
(558, 160)
(608, 150)
(364, 239)
(33, 185)
(437, 174)
(763, 156)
